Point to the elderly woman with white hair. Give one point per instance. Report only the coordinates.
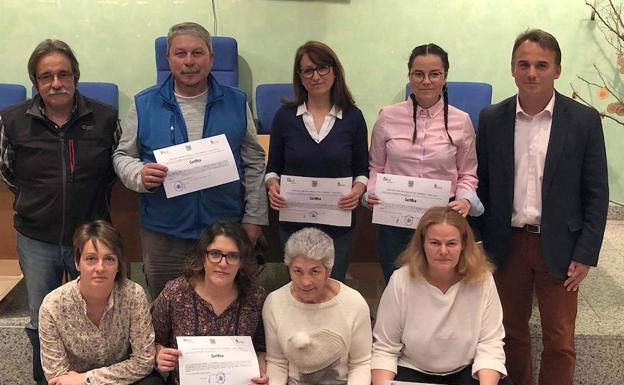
(317, 329)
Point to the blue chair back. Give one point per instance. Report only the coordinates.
(268, 101)
(102, 92)
(470, 97)
(224, 67)
(11, 94)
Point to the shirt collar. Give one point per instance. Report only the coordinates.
(78, 297)
(549, 107)
(431, 111)
(335, 111)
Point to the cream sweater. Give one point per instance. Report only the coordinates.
(421, 328)
(346, 314)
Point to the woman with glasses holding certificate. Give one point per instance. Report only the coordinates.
(423, 137)
(319, 134)
(218, 295)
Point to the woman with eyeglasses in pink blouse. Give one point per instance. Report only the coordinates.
(423, 137)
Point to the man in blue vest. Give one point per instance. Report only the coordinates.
(189, 105)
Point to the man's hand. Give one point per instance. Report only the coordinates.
(253, 232)
(167, 359)
(350, 200)
(576, 274)
(70, 378)
(153, 175)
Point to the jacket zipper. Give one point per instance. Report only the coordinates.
(64, 185)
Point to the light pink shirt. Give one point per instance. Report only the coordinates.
(531, 137)
(432, 155)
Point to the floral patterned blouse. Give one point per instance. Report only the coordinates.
(180, 311)
(118, 351)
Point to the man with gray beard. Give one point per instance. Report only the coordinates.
(55, 156)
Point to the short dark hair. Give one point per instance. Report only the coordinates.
(542, 38)
(103, 232)
(47, 47)
(194, 266)
(321, 54)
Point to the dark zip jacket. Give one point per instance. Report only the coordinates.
(61, 176)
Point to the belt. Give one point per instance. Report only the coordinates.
(533, 229)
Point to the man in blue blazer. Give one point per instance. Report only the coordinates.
(543, 181)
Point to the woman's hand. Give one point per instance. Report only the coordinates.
(167, 359)
(262, 365)
(372, 199)
(350, 200)
(70, 378)
(462, 206)
(262, 380)
(275, 199)
(488, 377)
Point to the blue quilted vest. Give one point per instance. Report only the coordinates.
(160, 124)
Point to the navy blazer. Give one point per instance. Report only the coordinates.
(575, 191)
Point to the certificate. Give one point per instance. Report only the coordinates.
(197, 165)
(314, 200)
(404, 199)
(217, 360)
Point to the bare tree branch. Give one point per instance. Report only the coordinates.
(578, 96)
(606, 24)
(616, 15)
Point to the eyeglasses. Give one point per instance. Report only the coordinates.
(216, 256)
(48, 78)
(308, 72)
(433, 76)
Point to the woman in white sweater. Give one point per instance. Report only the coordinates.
(440, 319)
(317, 329)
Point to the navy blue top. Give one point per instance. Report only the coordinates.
(342, 153)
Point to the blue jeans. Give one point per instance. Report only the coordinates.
(43, 265)
(391, 241)
(343, 244)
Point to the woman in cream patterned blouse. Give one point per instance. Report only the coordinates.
(97, 329)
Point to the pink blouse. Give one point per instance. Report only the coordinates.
(432, 155)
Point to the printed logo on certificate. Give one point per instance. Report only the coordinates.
(404, 199)
(314, 200)
(197, 165)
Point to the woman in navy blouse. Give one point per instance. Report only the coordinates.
(319, 134)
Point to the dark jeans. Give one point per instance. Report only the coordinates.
(463, 377)
(43, 265)
(343, 244)
(163, 258)
(154, 378)
(391, 241)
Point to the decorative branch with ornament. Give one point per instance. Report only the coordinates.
(609, 19)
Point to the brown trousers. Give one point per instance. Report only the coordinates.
(515, 282)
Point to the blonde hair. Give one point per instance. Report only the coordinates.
(473, 265)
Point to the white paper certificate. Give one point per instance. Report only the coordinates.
(405, 199)
(314, 200)
(217, 360)
(197, 165)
